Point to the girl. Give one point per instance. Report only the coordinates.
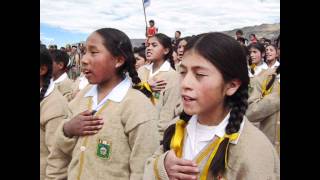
(113, 128)
(264, 105)
(59, 73)
(271, 56)
(253, 38)
(140, 55)
(53, 109)
(162, 78)
(256, 63)
(216, 141)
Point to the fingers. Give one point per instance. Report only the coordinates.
(92, 128)
(86, 113)
(184, 162)
(184, 176)
(187, 169)
(86, 133)
(91, 118)
(93, 123)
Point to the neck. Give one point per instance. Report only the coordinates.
(259, 63)
(271, 62)
(56, 76)
(156, 65)
(41, 82)
(214, 117)
(105, 88)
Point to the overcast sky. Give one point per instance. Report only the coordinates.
(70, 21)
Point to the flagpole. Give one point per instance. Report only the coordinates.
(145, 17)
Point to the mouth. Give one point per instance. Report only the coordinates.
(87, 72)
(187, 99)
(148, 53)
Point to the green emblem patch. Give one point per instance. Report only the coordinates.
(103, 149)
(157, 95)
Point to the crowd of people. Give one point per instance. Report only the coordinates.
(205, 106)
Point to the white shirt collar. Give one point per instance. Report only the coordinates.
(50, 88)
(116, 94)
(258, 69)
(276, 64)
(218, 131)
(164, 67)
(61, 78)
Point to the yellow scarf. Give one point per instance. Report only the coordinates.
(264, 89)
(177, 145)
(147, 87)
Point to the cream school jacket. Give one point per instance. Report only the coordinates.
(129, 135)
(53, 109)
(65, 86)
(169, 103)
(266, 110)
(252, 158)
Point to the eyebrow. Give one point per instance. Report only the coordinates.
(194, 67)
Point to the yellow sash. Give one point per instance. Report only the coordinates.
(177, 145)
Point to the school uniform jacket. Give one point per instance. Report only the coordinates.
(129, 130)
(252, 158)
(64, 85)
(169, 102)
(266, 110)
(53, 109)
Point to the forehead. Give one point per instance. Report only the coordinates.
(94, 39)
(270, 48)
(192, 59)
(183, 42)
(153, 40)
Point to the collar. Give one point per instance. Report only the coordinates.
(164, 67)
(117, 93)
(61, 78)
(219, 130)
(276, 64)
(83, 82)
(50, 88)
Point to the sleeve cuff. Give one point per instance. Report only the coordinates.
(65, 143)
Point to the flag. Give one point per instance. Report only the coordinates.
(146, 3)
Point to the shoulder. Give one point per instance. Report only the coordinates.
(54, 105)
(254, 152)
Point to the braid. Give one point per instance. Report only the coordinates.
(172, 63)
(169, 132)
(239, 104)
(273, 78)
(250, 65)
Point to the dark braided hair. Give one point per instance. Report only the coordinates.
(119, 44)
(269, 85)
(45, 60)
(165, 41)
(227, 55)
(259, 47)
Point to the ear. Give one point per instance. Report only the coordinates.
(263, 54)
(119, 61)
(232, 86)
(43, 70)
(166, 51)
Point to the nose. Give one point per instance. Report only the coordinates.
(84, 60)
(186, 82)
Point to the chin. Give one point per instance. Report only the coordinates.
(190, 110)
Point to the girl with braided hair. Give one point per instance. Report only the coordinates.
(53, 109)
(213, 139)
(272, 56)
(112, 130)
(264, 105)
(162, 78)
(256, 61)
